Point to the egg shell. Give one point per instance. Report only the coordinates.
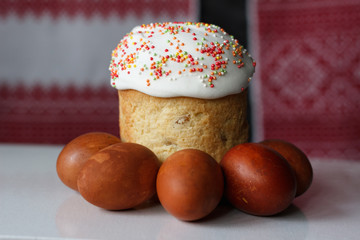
(258, 180)
(118, 177)
(297, 160)
(74, 155)
(190, 184)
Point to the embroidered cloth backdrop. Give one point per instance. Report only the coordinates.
(307, 86)
(54, 55)
(54, 58)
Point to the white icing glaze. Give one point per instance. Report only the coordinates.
(181, 59)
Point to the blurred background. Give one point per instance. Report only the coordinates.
(55, 84)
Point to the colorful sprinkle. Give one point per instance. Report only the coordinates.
(206, 52)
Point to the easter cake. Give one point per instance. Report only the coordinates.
(182, 85)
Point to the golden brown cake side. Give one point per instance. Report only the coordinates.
(167, 125)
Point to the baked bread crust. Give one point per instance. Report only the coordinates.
(167, 125)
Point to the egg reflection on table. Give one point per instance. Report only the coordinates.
(77, 219)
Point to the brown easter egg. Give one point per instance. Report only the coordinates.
(297, 160)
(118, 177)
(73, 156)
(190, 184)
(258, 180)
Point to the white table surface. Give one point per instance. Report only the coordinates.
(34, 204)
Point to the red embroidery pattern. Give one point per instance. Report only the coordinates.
(87, 8)
(56, 114)
(309, 56)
